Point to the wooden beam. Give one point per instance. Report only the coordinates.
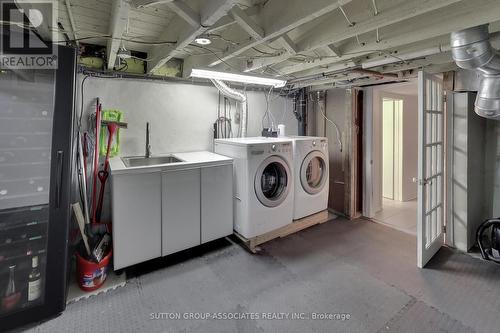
(185, 12)
(147, 3)
(434, 24)
(227, 21)
(246, 23)
(334, 50)
(185, 34)
(288, 44)
(72, 22)
(118, 23)
(278, 21)
(328, 32)
(334, 30)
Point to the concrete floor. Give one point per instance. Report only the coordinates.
(360, 268)
(401, 215)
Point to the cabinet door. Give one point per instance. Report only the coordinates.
(180, 210)
(216, 202)
(136, 202)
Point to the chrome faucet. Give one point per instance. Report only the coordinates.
(148, 145)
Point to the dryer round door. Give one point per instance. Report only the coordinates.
(313, 174)
(272, 181)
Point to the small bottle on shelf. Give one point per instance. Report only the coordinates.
(34, 281)
(11, 297)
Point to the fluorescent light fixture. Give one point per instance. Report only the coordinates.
(203, 41)
(232, 77)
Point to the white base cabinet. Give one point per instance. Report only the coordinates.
(160, 213)
(136, 202)
(180, 210)
(216, 202)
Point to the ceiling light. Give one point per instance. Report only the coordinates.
(203, 41)
(232, 77)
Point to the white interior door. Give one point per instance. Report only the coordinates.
(430, 235)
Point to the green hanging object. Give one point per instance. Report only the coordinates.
(113, 115)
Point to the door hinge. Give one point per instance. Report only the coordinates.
(443, 229)
(444, 98)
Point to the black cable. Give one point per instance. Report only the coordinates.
(81, 105)
(262, 52)
(215, 54)
(123, 68)
(114, 38)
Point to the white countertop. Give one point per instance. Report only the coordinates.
(189, 160)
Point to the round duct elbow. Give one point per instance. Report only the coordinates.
(471, 48)
(488, 97)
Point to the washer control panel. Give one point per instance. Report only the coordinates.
(279, 148)
(271, 148)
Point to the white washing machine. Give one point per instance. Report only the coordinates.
(263, 183)
(311, 175)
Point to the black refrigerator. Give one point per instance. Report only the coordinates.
(36, 158)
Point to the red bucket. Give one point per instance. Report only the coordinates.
(91, 275)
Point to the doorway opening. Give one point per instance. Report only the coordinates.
(395, 156)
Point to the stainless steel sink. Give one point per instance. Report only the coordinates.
(138, 161)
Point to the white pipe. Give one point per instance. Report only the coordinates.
(406, 56)
(239, 97)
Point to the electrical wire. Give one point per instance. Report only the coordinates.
(121, 39)
(339, 140)
(81, 105)
(268, 114)
(215, 54)
(266, 53)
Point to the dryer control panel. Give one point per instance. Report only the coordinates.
(279, 148)
(272, 148)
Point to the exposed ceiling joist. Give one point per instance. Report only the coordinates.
(228, 21)
(325, 33)
(458, 16)
(334, 50)
(288, 44)
(147, 3)
(278, 22)
(212, 11)
(185, 12)
(246, 23)
(119, 20)
(71, 20)
(334, 31)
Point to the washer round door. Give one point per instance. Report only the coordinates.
(313, 172)
(272, 181)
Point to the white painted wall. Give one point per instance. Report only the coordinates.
(410, 146)
(492, 170)
(181, 115)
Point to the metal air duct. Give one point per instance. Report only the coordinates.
(471, 49)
